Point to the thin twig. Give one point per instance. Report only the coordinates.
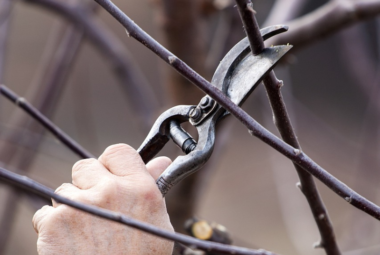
(297, 156)
(28, 184)
(37, 115)
(283, 123)
(132, 80)
(326, 20)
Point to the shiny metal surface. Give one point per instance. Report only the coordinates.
(237, 75)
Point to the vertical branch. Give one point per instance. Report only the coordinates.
(181, 27)
(282, 121)
(181, 24)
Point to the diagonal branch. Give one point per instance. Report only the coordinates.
(326, 20)
(283, 123)
(28, 184)
(37, 115)
(294, 154)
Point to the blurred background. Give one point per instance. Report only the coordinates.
(102, 88)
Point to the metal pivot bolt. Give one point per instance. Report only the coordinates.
(182, 138)
(196, 114)
(206, 103)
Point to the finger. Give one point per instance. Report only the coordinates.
(157, 166)
(122, 160)
(67, 190)
(87, 173)
(39, 216)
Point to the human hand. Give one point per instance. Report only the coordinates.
(117, 181)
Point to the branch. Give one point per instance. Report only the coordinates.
(37, 115)
(326, 20)
(28, 184)
(297, 156)
(283, 123)
(284, 10)
(131, 78)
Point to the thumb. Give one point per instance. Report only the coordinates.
(157, 166)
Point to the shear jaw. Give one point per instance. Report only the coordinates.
(234, 77)
(184, 166)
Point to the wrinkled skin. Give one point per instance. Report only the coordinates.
(118, 181)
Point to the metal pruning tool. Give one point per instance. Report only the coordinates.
(237, 75)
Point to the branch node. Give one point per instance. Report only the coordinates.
(318, 245)
(20, 101)
(280, 84)
(348, 199)
(297, 152)
(321, 216)
(298, 185)
(128, 34)
(172, 59)
(250, 8)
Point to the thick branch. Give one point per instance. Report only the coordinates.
(38, 116)
(283, 123)
(257, 130)
(326, 20)
(29, 185)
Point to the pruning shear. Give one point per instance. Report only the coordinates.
(237, 75)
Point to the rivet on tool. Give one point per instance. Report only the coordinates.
(206, 104)
(196, 114)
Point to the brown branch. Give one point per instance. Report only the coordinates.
(283, 123)
(173, 16)
(132, 80)
(27, 184)
(326, 20)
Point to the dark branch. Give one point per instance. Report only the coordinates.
(29, 185)
(37, 115)
(257, 130)
(283, 123)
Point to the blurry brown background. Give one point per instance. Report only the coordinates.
(247, 186)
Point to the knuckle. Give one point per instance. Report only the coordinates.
(83, 164)
(150, 193)
(107, 190)
(61, 189)
(117, 150)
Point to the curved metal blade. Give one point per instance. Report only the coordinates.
(239, 52)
